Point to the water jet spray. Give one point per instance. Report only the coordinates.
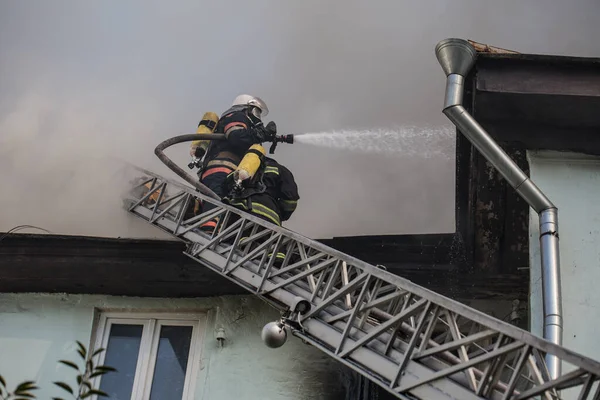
(410, 141)
(457, 57)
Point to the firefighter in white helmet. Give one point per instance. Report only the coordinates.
(242, 125)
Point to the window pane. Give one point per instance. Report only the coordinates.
(171, 362)
(122, 353)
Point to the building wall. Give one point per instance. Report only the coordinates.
(572, 182)
(36, 330)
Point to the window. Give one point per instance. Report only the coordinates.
(157, 355)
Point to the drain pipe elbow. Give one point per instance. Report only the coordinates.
(483, 142)
(455, 87)
(457, 57)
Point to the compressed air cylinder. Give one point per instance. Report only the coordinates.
(208, 124)
(250, 164)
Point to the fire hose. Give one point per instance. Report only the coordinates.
(159, 151)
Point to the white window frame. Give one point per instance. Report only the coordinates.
(152, 322)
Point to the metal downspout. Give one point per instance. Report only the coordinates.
(457, 57)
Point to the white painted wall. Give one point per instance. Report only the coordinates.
(36, 330)
(572, 182)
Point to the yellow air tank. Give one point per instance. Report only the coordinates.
(250, 164)
(208, 124)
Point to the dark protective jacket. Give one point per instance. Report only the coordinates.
(276, 201)
(241, 130)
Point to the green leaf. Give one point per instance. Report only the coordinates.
(64, 386)
(105, 368)
(87, 384)
(27, 385)
(100, 350)
(96, 392)
(25, 395)
(69, 364)
(57, 398)
(82, 348)
(2, 381)
(97, 373)
(79, 379)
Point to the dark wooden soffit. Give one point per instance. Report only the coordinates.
(152, 268)
(539, 101)
(437, 262)
(526, 102)
(74, 264)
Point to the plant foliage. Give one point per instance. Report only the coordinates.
(85, 376)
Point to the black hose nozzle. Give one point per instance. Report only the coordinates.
(286, 138)
(280, 139)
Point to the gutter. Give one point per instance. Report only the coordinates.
(457, 57)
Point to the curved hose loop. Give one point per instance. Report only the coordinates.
(159, 151)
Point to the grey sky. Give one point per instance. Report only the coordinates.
(80, 81)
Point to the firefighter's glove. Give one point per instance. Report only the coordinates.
(266, 133)
(260, 134)
(271, 129)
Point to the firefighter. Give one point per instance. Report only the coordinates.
(243, 127)
(268, 191)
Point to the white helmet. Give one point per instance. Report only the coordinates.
(246, 99)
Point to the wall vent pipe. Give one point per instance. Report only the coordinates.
(457, 57)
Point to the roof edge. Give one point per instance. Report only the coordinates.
(486, 48)
(487, 51)
(123, 240)
(82, 238)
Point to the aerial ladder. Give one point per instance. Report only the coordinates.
(413, 342)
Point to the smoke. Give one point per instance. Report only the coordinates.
(82, 83)
(61, 167)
